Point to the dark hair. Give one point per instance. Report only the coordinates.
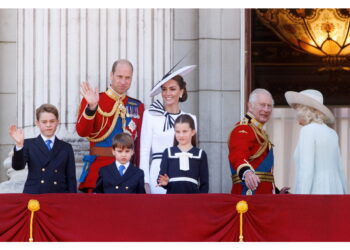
(122, 61)
(49, 108)
(182, 84)
(123, 140)
(186, 119)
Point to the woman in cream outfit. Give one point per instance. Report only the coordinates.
(157, 131)
(317, 156)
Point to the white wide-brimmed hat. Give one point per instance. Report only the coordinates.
(311, 98)
(182, 72)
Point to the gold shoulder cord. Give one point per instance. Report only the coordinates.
(117, 110)
(263, 144)
(112, 112)
(258, 133)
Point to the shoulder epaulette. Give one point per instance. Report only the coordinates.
(133, 101)
(244, 121)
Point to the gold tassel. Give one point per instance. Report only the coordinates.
(33, 206)
(241, 207)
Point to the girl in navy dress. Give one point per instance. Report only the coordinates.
(184, 167)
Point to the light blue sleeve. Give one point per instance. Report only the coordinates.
(341, 170)
(305, 161)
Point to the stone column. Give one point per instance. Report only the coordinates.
(219, 84)
(57, 49)
(215, 37)
(8, 80)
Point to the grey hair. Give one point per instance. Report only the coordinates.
(255, 92)
(309, 114)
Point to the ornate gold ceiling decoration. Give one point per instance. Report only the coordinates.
(321, 32)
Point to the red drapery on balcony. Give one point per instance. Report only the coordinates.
(201, 217)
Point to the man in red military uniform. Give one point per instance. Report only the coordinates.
(250, 151)
(103, 115)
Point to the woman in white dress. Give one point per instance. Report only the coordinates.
(317, 156)
(157, 131)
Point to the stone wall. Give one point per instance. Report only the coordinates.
(215, 37)
(46, 53)
(8, 81)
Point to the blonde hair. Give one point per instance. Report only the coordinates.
(309, 114)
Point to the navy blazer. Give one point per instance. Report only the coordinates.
(48, 171)
(110, 181)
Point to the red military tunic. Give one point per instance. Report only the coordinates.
(248, 147)
(115, 114)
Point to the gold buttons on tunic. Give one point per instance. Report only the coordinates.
(43, 169)
(55, 182)
(56, 171)
(116, 187)
(126, 187)
(42, 181)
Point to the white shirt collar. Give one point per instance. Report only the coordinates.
(126, 165)
(51, 138)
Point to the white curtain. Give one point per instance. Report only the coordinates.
(283, 130)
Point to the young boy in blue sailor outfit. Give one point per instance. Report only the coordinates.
(121, 176)
(184, 167)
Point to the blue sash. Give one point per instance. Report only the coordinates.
(88, 160)
(265, 166)
(108, 142)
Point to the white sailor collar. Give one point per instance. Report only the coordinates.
(195, 152)
(184, 157)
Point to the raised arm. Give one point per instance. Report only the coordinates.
(90, 94)
(18, 158)
(17, 135)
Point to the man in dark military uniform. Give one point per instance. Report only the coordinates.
(102, 116)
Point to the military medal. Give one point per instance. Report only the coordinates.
(132, 112)
(132, 126)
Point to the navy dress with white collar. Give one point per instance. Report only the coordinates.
(187, 171)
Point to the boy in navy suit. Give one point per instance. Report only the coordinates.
(51, 165)
(121, 176)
